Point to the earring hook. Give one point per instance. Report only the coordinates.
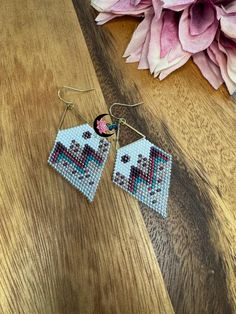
(69, 104)
(124, 105)
(122, 121)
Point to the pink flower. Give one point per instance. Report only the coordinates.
(171, 31)
(102, 126)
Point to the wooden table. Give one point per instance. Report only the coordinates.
(60, 254)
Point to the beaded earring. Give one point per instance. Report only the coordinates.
(142, 169)
(79, 154)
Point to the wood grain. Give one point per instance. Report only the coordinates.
(196, 245)
(58, 253)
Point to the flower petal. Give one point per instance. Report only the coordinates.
(202, 16)
(134, 49)
(103, 18)
(208, 68)
(175, 55)
(228, 47)
(102, 5)
(114, 8)
(125, 7)
(222, 61)
(177, 5)
(211, 55)
(230, 8)
(228, 25)
(169, 33)
(155, 43)
(157, 6)
(174, 67)
(135, 2)
(197, 43)
(143, 63)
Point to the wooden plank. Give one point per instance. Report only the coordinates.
(196, 245)
(59, 253)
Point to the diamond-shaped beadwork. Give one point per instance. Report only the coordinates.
(79, 155)
(143, 170)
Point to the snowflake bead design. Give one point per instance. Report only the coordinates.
(125, 158)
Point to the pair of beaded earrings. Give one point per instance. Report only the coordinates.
(141, 168)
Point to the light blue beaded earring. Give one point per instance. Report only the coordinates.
(79, 153)
(142, 169)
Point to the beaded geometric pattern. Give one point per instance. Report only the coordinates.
(79, 155)
(143, 170)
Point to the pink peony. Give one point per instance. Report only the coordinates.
(172, 31)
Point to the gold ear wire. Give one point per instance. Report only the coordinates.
(122, 121)
(69, 104)
(124, 105)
